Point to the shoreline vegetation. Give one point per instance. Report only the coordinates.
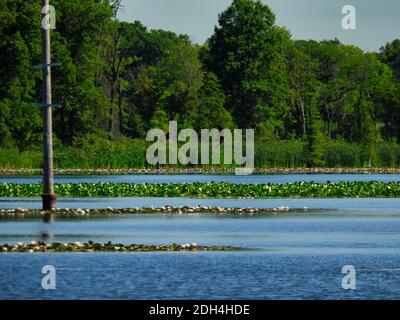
(197, 170)
(107, 247)
(311, 103)
(26, 213)
(129, 155)
(371, 189)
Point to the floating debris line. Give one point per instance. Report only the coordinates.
(202, 170)
(21, 213)
(107, 247)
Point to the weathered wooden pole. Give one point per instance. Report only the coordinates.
(49, 198)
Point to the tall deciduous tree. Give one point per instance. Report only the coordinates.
(246, 55)
(19, 46)
(390, 54)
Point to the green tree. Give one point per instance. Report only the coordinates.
(246, 55)
(172, 85)
(79, 43)
(390, 54)
(19, 47)
(304, 93)
(390, 93)
(211, 112)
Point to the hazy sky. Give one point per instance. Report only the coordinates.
(378, 21)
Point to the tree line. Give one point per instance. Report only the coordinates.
(118, 80)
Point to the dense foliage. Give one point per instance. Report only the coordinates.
(212, 190)
(117, 80)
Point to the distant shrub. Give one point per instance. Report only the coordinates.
(388, 154)
(14, 159)
(290, 154)
(103, 154)
(342, 154)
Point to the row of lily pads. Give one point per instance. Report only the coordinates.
(212, 190)
(21, 213)
(107, 247)
(195, 170)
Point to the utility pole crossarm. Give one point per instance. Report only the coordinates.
(44, 66)
(46, 105)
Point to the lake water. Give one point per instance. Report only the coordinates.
(296, 255)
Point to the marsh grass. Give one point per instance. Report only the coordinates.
(128, 154)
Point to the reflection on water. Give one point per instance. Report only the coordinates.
(46, 230)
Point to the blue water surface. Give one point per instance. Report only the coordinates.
(295, 255)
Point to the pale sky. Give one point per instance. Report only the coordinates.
(378, 21)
